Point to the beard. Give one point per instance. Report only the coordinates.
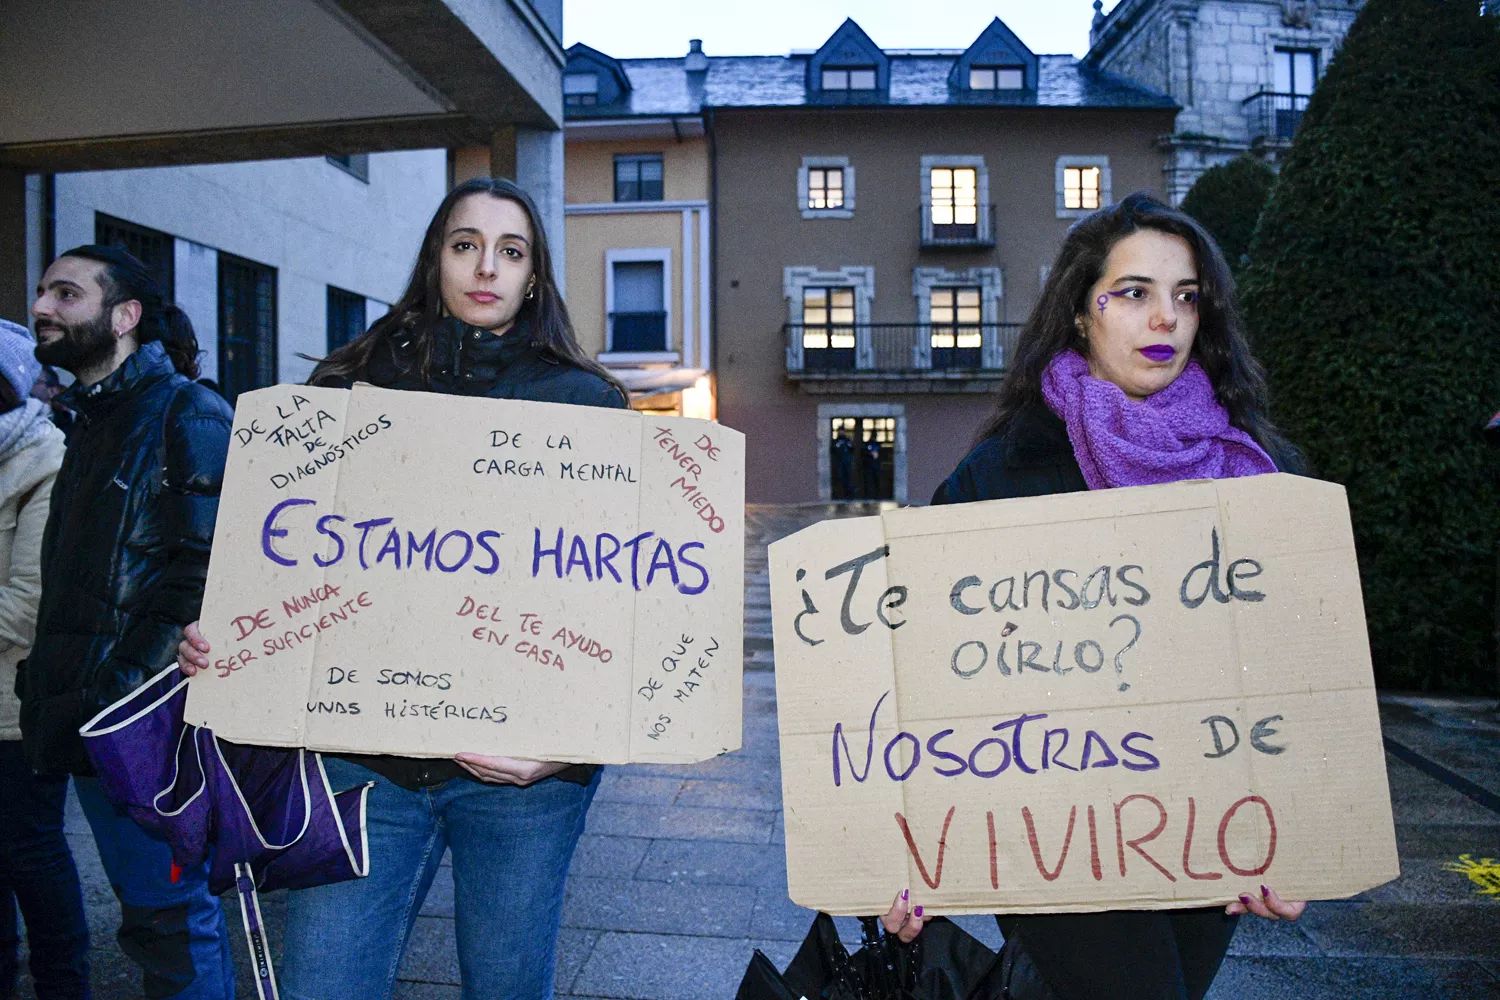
(81, 346)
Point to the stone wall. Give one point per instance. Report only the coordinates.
(1210, 55)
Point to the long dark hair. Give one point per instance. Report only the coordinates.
(126, 278)
(1220, 346)
(417, 312)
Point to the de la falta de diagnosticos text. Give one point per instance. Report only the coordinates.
(641, 561)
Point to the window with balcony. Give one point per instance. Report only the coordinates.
(954, 203)
(956, 210)
(1296, 75)
(828, 329)
(849, 77)
(580, 89)
(955, 322)
(638, 177)
(638, 318)
(997, 78)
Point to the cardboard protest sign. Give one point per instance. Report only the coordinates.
(1141, 698)
(421, 574)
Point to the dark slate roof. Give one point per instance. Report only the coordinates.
(663, 87)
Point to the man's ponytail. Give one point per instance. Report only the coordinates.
(177, 336)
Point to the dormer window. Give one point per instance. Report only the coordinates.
(580, 89)
(997, 78)
(849, 78)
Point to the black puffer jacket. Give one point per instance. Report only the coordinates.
(467, 361)
(125, 552)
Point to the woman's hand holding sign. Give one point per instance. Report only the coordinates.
(1269, 905)
(508, 770)
(192, 651)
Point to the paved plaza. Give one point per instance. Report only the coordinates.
(681, 872)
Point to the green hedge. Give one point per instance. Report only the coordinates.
(1374, 297)
(1228, 200)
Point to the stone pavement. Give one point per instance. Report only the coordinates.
(681, 871)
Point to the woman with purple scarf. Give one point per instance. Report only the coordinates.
(1132, 369)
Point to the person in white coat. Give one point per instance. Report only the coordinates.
(36, 867)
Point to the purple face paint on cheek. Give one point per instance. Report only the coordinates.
(1102, 301)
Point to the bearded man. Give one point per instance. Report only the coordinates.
(124, 559)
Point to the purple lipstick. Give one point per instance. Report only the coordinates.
(1159, 352)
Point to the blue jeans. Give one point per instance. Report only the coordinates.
(511, 850)
(175, 931)
(36, 871)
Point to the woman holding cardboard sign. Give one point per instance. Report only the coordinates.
(1132, 369)
(481, 316)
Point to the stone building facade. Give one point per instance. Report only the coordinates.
(1241, 70)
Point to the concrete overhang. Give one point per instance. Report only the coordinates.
(676, 127)
(99, 84)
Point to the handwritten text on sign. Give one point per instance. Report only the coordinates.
(1136, 698)
(425, 575)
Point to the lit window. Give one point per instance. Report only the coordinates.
(955, 196)
(849, 78)
(1081, 187)
(825, 187)
(828, 319)
(997, 78)
(954, 320)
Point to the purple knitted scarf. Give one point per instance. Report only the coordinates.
(1181, 432)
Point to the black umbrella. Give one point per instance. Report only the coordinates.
(944, 963)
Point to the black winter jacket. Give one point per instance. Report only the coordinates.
(1032, 458)
(467, 361)
(125, 552)
(1150, 955)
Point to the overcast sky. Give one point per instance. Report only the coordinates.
(633, 29)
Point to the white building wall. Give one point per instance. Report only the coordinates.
(314, 223)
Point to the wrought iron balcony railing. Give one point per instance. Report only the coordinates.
(942, 230)
(914, 349)
(641, 332)
(1274, 116)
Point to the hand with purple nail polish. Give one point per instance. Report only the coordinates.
(904, 923)
(1267, 904)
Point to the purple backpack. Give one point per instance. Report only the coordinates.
(263, 818)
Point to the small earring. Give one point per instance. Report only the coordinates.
(531, 291)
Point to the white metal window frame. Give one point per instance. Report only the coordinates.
(633, 255)
(1106, 196)
(991, 284)
(1306, 39)
(826, 413)
(804, 188)
(859, 278)
(830, 80)
(976, 81)
(981, 187)
(581, 82)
